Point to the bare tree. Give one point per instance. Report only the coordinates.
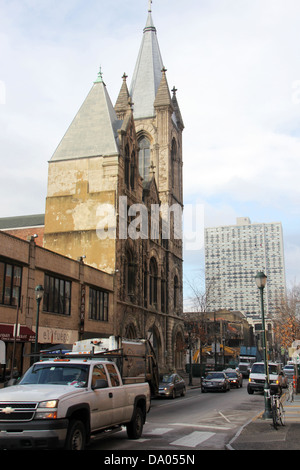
(286, 320)
(201, 298)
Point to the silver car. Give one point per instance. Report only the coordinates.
(171, 385)
(215, 381)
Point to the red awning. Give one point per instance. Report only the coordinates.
(7, 333)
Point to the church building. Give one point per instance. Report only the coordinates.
(115, 201)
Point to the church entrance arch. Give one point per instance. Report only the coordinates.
(179, 352)
(155, 340)
(130, 331)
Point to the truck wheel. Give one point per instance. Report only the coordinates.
(135, 427)
(76, 436)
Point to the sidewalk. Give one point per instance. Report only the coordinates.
(259, 433)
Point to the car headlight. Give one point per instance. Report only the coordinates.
(48, 404)
(47, 410)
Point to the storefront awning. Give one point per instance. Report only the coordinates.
(7, 333)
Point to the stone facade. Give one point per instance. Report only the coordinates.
(111, 184)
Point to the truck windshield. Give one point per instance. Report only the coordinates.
(260, 369)
(50, 374)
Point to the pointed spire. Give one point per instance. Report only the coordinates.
(147, 73)
(163, 97)
(178, 116)
(122, 102)
(100, 77)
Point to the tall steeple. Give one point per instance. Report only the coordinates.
(147, 73)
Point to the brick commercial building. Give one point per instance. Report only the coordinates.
(68, 309)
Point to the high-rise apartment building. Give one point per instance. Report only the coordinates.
(233, 256)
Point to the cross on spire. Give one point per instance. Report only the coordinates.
(100, 76)
(149, 7)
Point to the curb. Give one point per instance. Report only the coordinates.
(240, 430)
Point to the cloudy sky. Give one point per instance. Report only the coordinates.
(235, 63)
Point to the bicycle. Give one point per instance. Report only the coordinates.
(278, 413)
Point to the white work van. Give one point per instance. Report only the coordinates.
(257, 378)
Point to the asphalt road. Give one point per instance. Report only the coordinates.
(197, 421)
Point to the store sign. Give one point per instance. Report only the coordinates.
(57, 336)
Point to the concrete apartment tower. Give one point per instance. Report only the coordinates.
(113, 163)
(233, 256)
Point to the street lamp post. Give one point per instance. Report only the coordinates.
(261, 280)
(39, 292)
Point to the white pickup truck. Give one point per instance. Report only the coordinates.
(66, 402)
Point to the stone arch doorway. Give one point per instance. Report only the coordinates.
(130, 331)
(155, 340)
(179, 352)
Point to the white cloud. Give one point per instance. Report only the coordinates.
(235, 64)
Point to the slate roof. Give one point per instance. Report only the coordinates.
(94, 130)
(35, 220)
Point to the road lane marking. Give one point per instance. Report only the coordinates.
(159, 431)
(204, 426)
(226, 419)
(193, 439)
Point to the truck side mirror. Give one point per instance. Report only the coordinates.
(100, 383)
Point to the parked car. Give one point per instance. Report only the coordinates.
(289, 371)
(171, 385)
(235, 378)
(278, 380)
(215, 381)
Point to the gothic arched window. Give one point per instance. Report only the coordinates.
(163, 293)
(144, 158)
(176, 292)
(127, 166)
(130, 273)
(132, 170)
(153, 272)
(173, 161)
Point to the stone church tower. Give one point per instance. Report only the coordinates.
(115, 198)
